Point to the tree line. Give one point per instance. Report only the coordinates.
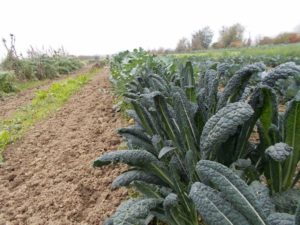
(202, 39)
(229, 37)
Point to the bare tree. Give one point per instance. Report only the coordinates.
(183, 45)
(202, 38)
(11, 50)
(232, 35)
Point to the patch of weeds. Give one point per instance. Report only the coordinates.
(22, 86)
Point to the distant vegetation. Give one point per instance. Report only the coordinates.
(229, 37)
(6, 82)
(38, 65)
(283, 50)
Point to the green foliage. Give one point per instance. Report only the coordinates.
(234, 189)
(230, 201)
(126, 66)
(236, 85)
(186, 113)
(220, 127)
(38, 65)
(297, 217)
(277, 155)
(287, 201)
(127, 177)
(271, 55)
(282, 71)
(281, 219)
(278, 160)
(133, 211)
(24, 85)
(213, 208)
(6, 82)
(262, 194)
(292, 137)
(140, 158)
(45, 67)
(4, 140)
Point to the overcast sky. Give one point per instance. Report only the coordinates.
(108, 26)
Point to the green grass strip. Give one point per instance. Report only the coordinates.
(44, 103)
(22, 86)
(285, 50)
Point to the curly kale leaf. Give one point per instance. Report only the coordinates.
(214, 209)
(263, 197)
(139, 158)
(134, 212)
(281, 219)
(138, 138)
(222, 125)
(170, 201)
(287, 201)
(126, 178)
(282, 71)
(279, 152)
(297, 215)
(292, 137)
(151, 190)
(234, 189)
(237, 84)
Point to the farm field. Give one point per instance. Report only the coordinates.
(199, 126)
(149, 112)
(284, 50)
(202, 130)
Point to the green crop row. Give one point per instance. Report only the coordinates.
(208, 147)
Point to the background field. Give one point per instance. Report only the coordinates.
(289, 50)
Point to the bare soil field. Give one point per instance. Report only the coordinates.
(47, 176)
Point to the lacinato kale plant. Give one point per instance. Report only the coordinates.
(191, 153)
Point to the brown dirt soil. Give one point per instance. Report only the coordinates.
(12, 103)
(48, 178)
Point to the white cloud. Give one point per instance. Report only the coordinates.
(108, 26)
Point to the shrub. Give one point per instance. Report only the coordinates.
(6, 82)
(38, 65)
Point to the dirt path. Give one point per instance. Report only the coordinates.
(11, 103)
(47, 177)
